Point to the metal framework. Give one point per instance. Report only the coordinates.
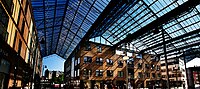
(66, 23)
(61, 24)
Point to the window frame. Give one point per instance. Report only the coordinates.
(147, 75)
(140, 75)
(109, 73)
(139, 65)
(120, 63)
(120, 74)
(99, 73)
(87, 59)
(87, 72)
(99, 49)
(109, 62)
(99, 61)
(152, 67)
(153, 75)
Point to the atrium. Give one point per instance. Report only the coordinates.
(105, 44)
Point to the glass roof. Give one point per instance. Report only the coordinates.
(188, 23)
(61, 24)
(181, 32)
(138, 16)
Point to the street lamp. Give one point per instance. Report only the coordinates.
(44, 66)
(42, 41)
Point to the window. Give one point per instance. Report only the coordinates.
(147, 75)
(130, 62)
(19, 47)
(3, 33)
(159, 75)
(78, 72)
(147, 66)
(9, 2)
(26, 7)
(163, 70)
(75, 73)
(109, 73)
(9, 5)
(4, 66)
(75, 63)
(19, 16)
(87, 72)
(120, 74)
(139, 65)
(3, 24)
(158, 68)
(3, 17)
(99, 49)
(139, 56)
(11, 8)
(99, 61)
(152, 66)
(78, 61)
(153, 75)
(130, 73)
(163, 64)
(109, 62)
(99, 72)
(120, 63)
(140, 75)
(87, 59)
(22, 29)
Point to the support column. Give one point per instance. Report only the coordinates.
(187, 82)
(190, 78)
(126, 74)
(166, 64)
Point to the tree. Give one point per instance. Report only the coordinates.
(59, 79)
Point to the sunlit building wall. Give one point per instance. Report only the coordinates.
(176, 71)
(95, 64)
(147, 71)
(19, 42)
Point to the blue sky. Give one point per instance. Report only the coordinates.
(54, 62)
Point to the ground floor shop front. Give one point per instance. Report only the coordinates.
(14, 72)
(101, 84)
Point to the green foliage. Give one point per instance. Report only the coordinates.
(59, 80)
